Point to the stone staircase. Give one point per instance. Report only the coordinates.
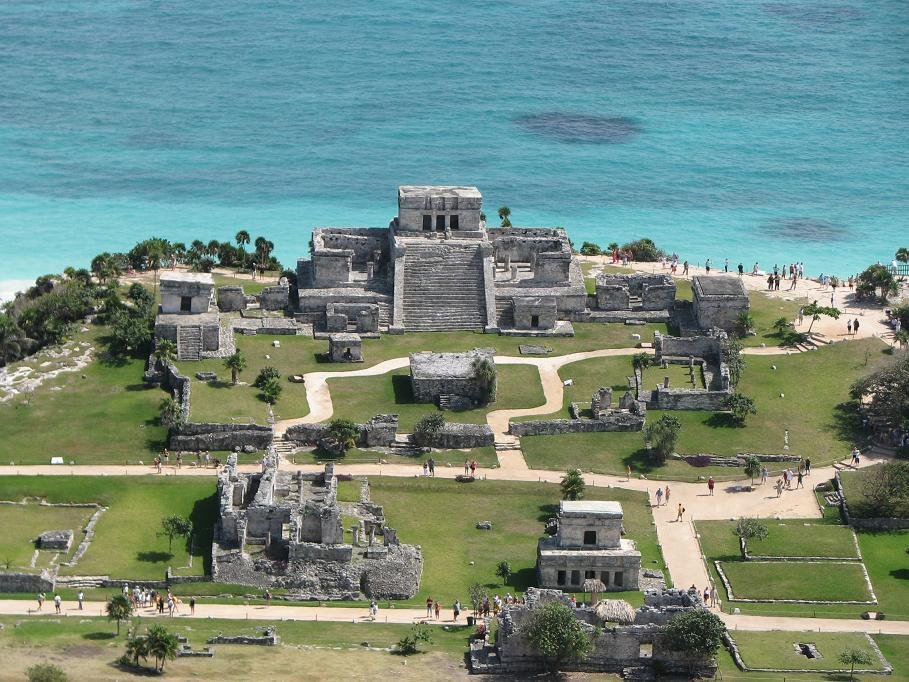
(80, 582)
(443, 286)
(504, 313)
(284, 449)
(189, 342)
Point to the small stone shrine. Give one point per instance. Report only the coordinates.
(344, 347)
(588, 545)
(55, 539)
(185, 316)
(718, 301)
(451, 380)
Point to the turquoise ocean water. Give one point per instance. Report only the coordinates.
(757, 131)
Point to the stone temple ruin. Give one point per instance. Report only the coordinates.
(625, 640)
(718, 301)
(450, 380)
(437, 267)
(706, 361)
(588, 545)
(186, 317)
(285, 530)
(648, 297)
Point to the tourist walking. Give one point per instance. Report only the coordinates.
(798, 478)
(764, 475)
(40, 600)
(456, 608)
(429, 607)
(466, 467)
(741, 270)
(779, 486)
(681, 513)
(373, 609)
(473, 468)
(80, 598)
(855, 326)
(432, 466)
(807, 466)
(685, 268)
(425, 468)
(710, 484)
(438, 608)
(801, 316)
(628, 470)
(659, 496)
(667, 495)
(57, 602)
(849, 327)
(192, 606)
(713, 595)
(725, 265)
(707, 266)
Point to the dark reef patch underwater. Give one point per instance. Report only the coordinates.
(806, 230)
(581, 127)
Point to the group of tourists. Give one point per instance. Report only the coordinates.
(58, 602)
(429, 467)
(661, 494)
(470, 467)
(141, 597)
(711, 599)
(203, 459)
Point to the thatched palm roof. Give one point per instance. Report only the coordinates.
(594, 585)
(614, 611)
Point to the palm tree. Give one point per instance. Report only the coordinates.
(901, 337)
(212, 247)
(236, 363)
(902, 254)
(166, 352)
(162, 645)
(744, 323)
(12, 341)
(505, 215)
(119, 609)
(136, 648)
(155, 250)
(640, 361)
(170, 412)
(242, 238)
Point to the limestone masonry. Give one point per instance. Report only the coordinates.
(284, 530)
(588, 545)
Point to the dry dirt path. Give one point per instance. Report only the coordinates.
(21, 607)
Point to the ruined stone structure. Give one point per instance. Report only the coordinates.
(231, 298)
(55, 539)
(281, 529)
(345, 347)
(436, 267)
(718, 301)
(627, 416)
(637, 292)
(705, 357)
(185, 317)
(588, 544)
(449, 380)
(632, 644)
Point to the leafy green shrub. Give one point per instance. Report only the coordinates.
(264, 375)
(427, 427)
(644, 250)
(45, 672)
(590, 249)
(271, 390)
(409, 643)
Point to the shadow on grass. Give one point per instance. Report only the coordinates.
(153, 557)
(900, 574)
(403, 389)
(639, 462)
(220, 383)
(203, 516)
(547, 511)
(97, 636)
(847, 421)
(522, 579)
(722, 420)
(138, 388)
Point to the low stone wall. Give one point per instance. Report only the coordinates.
(269, 638)
(688, 399)
(274, 298)
(380, 431)
(231, 298)
(27, 582)
(615, 421)
(204, 436)
(461, 436)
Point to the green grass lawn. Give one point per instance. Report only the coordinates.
(776, 649)
(883, 554)
(854, 483)
(23, 523)
(102, 413)
(249, 286)
(360, 398)
(126, 544)
(790, 538)
(827, 581)
(679, 376)
(894, 647)
(440, 515)
(814, 385)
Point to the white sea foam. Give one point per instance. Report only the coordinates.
(9, 287)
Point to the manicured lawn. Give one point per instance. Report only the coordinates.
(87, 647)
(886, 555)
(679, 376)
(249, 286)
(588, 376)
(776, 650)
(827, 581)
(21, 524)
(441, 515)
(126, 544)
(765, 311)
(360, 398)
(813, 384)
(102, 413)
(790, 538)
(894, 647)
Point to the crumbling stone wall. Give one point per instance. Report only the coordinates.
(231, 298)
(27, 582)
(275, 298)
(643, 291)
(461, 436)
(205, 436)
(611, 421)
(380, 431)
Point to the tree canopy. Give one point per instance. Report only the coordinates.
(553, 632)
(885, 393)
(697, 633)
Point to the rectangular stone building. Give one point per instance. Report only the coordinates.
(588, 545)
(186, 292)
(449, 379)
(718, 301)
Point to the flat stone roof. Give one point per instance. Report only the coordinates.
(421, 191)
(713, 285)
(344, 337)
(191, 319)
(430, 365)
(601, 508)
(548, 548)
(181, 277)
